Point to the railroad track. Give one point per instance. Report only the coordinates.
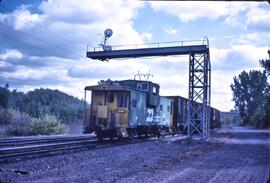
(34, 148)
(37, 147)
(40, 140)
(17, 153)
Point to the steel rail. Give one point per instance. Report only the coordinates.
(9, 150)
(17, 142)
(7, 154)
(38, 152)
(42, 150)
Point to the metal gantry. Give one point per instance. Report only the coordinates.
(199, 75)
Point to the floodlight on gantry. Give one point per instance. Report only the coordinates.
(108, 32)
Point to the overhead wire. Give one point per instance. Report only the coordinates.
(43, 29)
(35, 38)
(31, 45)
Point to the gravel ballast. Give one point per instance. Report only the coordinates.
(232, 156)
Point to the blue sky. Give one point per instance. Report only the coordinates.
(43, 43)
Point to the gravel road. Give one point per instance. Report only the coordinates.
(231, 155)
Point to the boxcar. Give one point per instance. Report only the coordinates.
(215, 118)
(180, 114)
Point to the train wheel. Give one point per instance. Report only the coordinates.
(111, 135)
(100, 136)
(139, 133)
(131, 134)
(158, 132)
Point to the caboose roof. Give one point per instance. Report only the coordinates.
(119, 85)
(105, 87)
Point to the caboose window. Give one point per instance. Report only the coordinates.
(168, 108)
(161, 107)
(111, 98)
(154, 90)
(145, 86)
(121, 100)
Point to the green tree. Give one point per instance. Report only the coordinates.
(266, 64)
(39, 102)
(249, 91)
(4, 96)
(261, 116)
(16, 100)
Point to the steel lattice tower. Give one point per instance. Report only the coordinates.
(199, 92)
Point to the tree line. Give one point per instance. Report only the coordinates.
(251, 94)
(41, 111)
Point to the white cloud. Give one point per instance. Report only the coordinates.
(147, 37)
(11, 54)
(23, 16)
(254, 38)
(84, 11)
(83, 20)
(244, 14)
(220, 87)
(190, 11)
(258, 18)
(237, 57)
(115, 69)
(170, 30)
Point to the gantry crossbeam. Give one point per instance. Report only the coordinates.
(147, 52)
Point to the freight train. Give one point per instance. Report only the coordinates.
(133, 107)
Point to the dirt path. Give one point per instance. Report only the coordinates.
(244, 157)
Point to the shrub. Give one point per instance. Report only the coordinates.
(19, 124)
(46, 125)
(2, 133)
(5, 116)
